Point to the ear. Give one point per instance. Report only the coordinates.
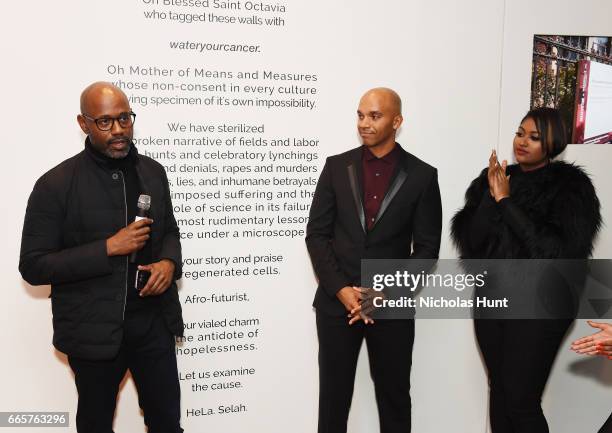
(83, 124)
(397, 121)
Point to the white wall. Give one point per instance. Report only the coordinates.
(452, 62)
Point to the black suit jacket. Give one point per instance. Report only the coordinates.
(408, 224)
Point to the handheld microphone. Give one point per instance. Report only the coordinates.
(144, 204)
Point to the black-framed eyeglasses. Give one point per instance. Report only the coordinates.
(106, 123)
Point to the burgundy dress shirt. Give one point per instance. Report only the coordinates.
(377, 173)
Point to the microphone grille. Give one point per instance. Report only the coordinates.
(144, 202)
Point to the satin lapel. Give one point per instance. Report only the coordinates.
(402, 172)
(399, 180)
(354, 175)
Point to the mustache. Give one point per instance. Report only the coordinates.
(119, 139)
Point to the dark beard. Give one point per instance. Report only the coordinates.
(116, 154)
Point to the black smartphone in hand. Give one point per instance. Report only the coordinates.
(141, 279)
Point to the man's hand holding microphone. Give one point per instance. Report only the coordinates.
(131, 239)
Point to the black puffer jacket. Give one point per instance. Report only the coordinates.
(71, 212)
(552, 212)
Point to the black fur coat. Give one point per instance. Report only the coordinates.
(552, 212)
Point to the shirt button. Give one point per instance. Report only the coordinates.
(373, 219)
(375, 197)
(377, 174)
(115, 176)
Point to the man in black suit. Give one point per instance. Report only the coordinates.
(373, 202)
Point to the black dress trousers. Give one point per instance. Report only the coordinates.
(148, 352)
(389, 344)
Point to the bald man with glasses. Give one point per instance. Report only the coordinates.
(78, 235)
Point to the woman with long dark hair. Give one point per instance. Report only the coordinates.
(538, 208)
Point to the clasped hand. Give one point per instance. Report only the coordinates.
(358, 301)
(499, 183)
